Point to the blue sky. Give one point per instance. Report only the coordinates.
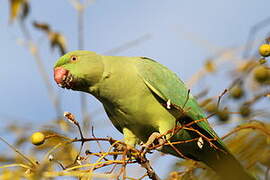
(176, 29)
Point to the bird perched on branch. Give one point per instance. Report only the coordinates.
(147, 103)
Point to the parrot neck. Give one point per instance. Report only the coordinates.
(94, 89)
(107, 89)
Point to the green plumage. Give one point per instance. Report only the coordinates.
(136, 93)
(168, 86)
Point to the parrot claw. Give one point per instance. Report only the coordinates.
(151, 141)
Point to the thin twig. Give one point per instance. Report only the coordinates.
(265, 131)
(187, 98)
(128, 45)
(33, 164)
(220, 96)
(98, 143)
(33, 48)
(251, 36)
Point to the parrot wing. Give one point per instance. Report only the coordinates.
(166, 85)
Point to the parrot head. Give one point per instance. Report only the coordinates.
(78, 70)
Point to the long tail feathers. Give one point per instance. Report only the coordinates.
(227, 166)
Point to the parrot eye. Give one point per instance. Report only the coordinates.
(73, 58)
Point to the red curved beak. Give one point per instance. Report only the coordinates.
(60, 74)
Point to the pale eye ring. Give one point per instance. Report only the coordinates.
(73, 58)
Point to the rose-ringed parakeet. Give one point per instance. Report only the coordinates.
(144, 99)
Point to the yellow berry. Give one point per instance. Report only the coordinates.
(261, 74)
(245, 110)
(264, 50)
(211, 108)
(223, 115)
(237, 92)
(38, 138)
(262, 61)
(210, 66)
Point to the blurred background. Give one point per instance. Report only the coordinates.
(211, 45)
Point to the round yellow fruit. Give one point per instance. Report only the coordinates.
(264, 50)
(261, 74)
(211, 108)
(262, 61)
(223, 115)
(237, 92)
(245, 110)
(38, 138)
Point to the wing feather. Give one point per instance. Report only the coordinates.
(166, 85)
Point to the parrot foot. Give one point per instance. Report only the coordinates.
(125, 148)
(155, 137)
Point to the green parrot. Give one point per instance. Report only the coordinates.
(144, 100)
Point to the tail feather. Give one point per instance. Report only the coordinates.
(226, 166)
(220, 159)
